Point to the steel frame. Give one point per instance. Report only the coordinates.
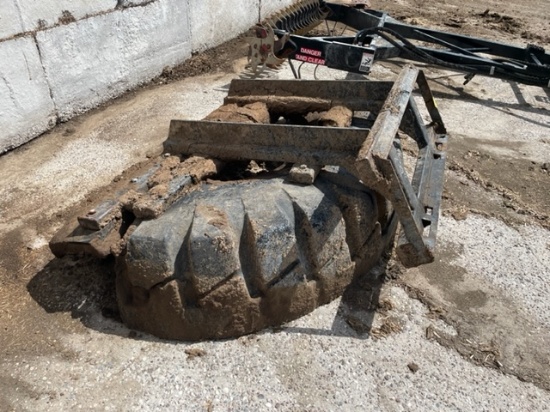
(380, 37)
(374, 155)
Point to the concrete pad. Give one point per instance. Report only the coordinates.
(10, 19)
(85, 151)
(514, 260)
(99, 58)
(63, 353)
(61, 350)
(26, 108)
(46, 13)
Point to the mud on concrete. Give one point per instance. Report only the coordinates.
(59, 316)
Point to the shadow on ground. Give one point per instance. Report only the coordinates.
(535, 102)
(85, 287)
(356, 311)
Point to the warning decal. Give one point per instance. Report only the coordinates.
(309, 59)
(366, 62)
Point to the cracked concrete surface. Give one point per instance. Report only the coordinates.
(486, 294)
(469, 332)
(317, 363)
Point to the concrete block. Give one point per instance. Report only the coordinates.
(269, 7)
(10, 19)
(46, 13)
(99, 58)
(26, 109)
(212, 24)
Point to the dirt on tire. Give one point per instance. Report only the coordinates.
(233, 258)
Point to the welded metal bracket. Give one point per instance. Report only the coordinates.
(374, 155)
(417, 200)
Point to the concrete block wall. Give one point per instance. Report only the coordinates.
(60, 58)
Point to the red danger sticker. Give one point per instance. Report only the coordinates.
(309, 59)
(311, 52)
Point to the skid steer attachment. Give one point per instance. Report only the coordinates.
(207, 250)
(380, 37)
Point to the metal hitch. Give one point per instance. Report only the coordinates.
(379, 37)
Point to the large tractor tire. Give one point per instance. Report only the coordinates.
(232, 258)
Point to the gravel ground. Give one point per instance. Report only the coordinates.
(513, 260)
(317, 363)
(65, 356)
